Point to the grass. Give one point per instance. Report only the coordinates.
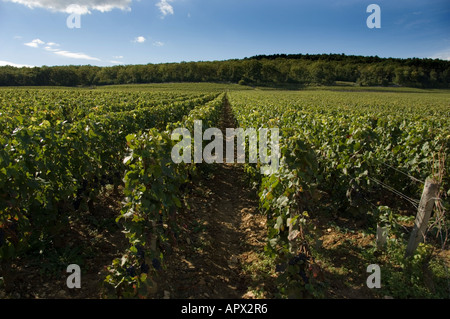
(260, 269)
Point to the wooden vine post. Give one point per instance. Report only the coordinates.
(293, 234)
(429, 195)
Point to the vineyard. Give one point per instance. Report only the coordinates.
(87, 178)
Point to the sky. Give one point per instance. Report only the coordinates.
(113, 32)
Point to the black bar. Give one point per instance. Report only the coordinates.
(222, 308)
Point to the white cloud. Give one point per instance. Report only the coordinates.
(4, 63)
(139, 39)
(443, 55)
(32, 44)
(118, 57)
(49, 48)
(115, 62)
(52, 47)
(158, 44)
(74, 55)
(76, 6)
(77, 9)
(165, 7)
(35, 43)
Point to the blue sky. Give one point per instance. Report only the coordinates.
(112, 32)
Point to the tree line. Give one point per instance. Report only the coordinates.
(268, 70)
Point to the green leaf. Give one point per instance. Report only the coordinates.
(282, 201)
(128, 158)
(176, 201)
(279, 223)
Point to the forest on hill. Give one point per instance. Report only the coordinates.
(264, 70)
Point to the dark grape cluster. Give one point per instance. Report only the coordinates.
(79, 196)
(303, 275)
(118, 175)
(145, 268)
(140, 251)
(106, 179)
(2, 237)
(77, 203)
(131, 271)
(156, 264)
(280, 267)
(300, 260)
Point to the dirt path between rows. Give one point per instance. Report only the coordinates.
(223, 237)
